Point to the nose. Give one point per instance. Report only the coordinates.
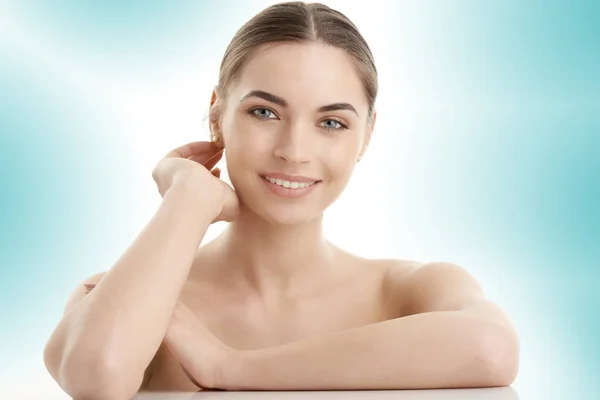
(293, 144)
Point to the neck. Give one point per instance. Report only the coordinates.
(272, 259)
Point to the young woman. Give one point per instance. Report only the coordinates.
(271, 304)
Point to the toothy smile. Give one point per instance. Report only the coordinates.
(288, 184)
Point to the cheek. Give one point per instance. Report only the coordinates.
(244, 146)
(341, 158)
(242, 132)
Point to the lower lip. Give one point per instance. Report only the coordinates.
(288, 192)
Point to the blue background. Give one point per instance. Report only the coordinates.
(486, 154)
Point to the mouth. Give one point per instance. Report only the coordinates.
(298, 183)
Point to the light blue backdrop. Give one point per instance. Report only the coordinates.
(487, 149)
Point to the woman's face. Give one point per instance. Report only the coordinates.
(294, 124)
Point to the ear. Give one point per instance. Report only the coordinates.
(368, 134)
(213, 97)
(214, 117)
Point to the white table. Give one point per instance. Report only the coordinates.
(503, 393)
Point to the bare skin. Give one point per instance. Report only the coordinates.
(348, 293)
(271, 288)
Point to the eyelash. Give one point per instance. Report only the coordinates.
(343, 125)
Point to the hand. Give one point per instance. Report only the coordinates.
(192, 164)
(200, 353)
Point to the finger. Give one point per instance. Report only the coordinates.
(192, 148)
(216, 172)
(209, 161)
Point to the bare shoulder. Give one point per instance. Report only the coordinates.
(82, 289)
(432, 286)
(439, 274)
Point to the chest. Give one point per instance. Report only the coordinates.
(254, 327)
(251, 325)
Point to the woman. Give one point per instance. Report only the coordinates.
(271, 304)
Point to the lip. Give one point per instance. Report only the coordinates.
(290, 178)
(289, 193)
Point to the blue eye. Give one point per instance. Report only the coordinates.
(262, 113)
(333, 125)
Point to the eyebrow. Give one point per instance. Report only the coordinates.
(280, 101)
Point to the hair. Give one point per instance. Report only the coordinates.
(298, 22)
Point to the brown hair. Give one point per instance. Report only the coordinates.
(298, 22)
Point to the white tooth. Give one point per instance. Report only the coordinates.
(288, 184)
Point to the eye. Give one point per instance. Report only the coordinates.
(333, 125)
(262, 113)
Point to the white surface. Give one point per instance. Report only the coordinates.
(504, 393)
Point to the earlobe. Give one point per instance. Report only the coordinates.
(215, 136)
(216, 139)
(362, 152)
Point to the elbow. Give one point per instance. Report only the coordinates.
(497, 357)
(95, 378)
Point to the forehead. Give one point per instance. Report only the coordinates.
(303, 74)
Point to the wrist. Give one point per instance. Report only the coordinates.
(188, 188)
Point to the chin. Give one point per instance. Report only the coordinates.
(287, 215)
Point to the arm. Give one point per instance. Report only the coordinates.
(107, 338)
(457, 339)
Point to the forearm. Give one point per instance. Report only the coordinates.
(122, 322)
(433, 350)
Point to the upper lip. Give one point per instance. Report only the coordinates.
(290, 178)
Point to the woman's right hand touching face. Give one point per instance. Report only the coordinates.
(192, 165)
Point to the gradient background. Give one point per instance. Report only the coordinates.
(486, 154)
